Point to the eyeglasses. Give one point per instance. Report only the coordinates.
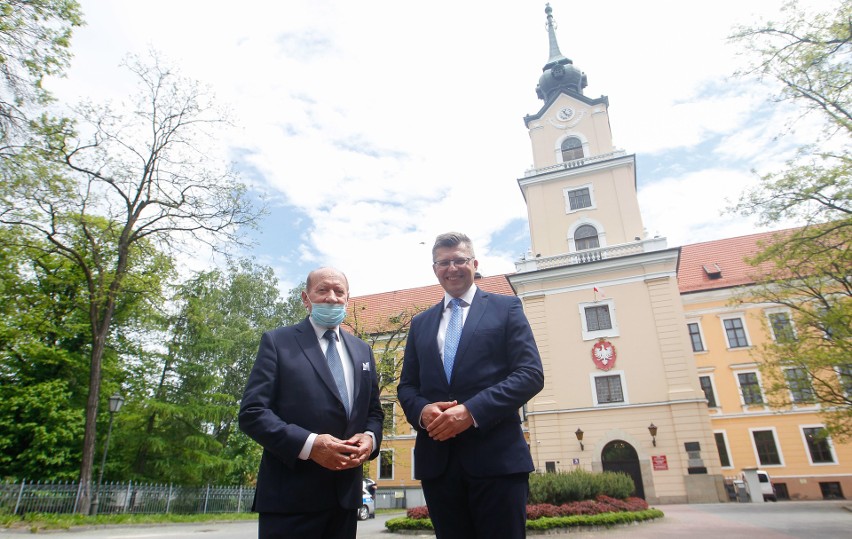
(457, 262)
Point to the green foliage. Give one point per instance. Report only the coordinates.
(34, 42)
(44, 350)
(806, 270)
(605, 520)
(577, 485)
(395, 525)
(808, 54)
(401, 524)
(40, 433)
(186, 432)
(36, 522)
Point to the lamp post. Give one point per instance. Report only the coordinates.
(115, 403)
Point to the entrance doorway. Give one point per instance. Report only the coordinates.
(619, 456)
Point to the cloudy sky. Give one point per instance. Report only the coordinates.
(372, 126)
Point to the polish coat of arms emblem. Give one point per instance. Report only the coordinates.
(603, 354)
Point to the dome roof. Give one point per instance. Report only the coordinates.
(558, 74)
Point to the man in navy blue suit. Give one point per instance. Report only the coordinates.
(464, 378)
(312, 402)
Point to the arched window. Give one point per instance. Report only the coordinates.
(586, 237)
(572, 148)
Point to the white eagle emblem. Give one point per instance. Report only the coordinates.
(603, 354)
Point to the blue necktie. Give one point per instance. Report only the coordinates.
(451, 341)
(336, 366)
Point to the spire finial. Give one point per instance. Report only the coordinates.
(555, 55)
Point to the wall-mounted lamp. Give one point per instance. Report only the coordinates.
(579, 434)
(653, 430)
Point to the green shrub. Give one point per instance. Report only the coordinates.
(404, 523)
(604, 519)
(577, 485)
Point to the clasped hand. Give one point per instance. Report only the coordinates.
(335, 454)
(445, 420)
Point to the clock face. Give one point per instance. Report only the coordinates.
(565, 113)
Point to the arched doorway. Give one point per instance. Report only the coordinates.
(619, 456)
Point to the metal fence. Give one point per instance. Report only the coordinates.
(133, 498)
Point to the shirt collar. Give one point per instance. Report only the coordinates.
(320, 330)
(467, 297)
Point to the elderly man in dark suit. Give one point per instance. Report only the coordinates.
(470, 364)
(312, 402)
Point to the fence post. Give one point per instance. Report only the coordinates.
(206, 498)
(127, 497)
(240, 500)
(77, 498)
(169, 499)
(20, 495)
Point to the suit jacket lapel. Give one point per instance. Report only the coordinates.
(357, 364)
(307, 339)
(474, 316)
(430, 331)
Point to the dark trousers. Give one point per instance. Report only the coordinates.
(329, 524)
(465, 507)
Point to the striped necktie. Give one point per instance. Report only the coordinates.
(336, 366)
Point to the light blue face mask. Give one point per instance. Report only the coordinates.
(328, 314)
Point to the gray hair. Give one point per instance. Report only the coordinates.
(452, 239)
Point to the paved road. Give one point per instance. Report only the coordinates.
(782, 520)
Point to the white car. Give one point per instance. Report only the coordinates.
(368, 507)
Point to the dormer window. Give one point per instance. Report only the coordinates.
(713, 271)
(572, 148)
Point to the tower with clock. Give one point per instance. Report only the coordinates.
(592, 283)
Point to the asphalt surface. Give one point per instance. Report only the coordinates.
(782, 520)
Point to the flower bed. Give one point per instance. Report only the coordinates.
(602, 511)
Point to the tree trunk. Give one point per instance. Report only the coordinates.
(87, 463)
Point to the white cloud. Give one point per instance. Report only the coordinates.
(387, 123)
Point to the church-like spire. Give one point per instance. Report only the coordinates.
(559, 74)
(555, 55)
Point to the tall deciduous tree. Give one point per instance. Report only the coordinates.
(810, 56)
(44, 349)
(187, 431)
(147, 174)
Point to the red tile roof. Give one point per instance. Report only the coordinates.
(729, 254)
(374, 310)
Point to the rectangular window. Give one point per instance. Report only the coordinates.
(608, 389)
(597, 318)
(818, 446)
(386, 464)
(844, 372)
(767, 450)
(735, 332)
(550, 466)
(579, 198)
(782, 327)
(707, 386)
(695, 337)
(389, 425)
(386, 370)
(799, 384)
(722, 448)
(750, 388)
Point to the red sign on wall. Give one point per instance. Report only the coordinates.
(660, 462)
